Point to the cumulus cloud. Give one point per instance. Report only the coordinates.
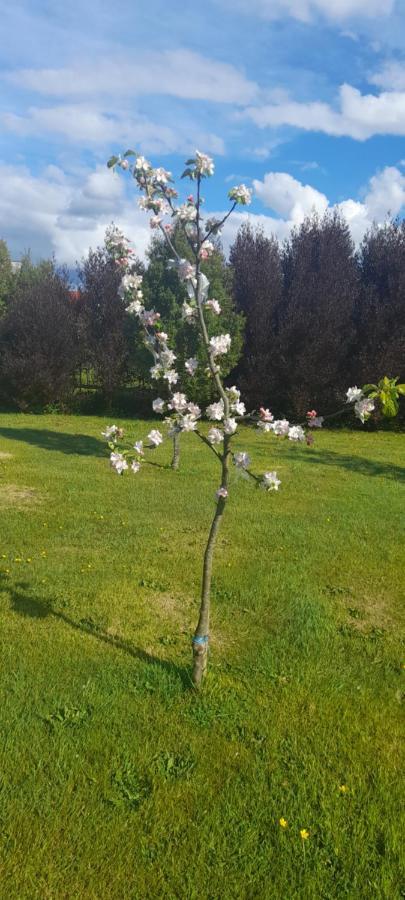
(391, 76)
(85, 124)
(54, 213)
(293, 201)
(64, 214)
(178, 73)
(358, 115)
(306, 10)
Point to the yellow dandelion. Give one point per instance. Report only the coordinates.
(29, 560)
(17, 559)
(283, 822)
(343, 788)
(304, 834)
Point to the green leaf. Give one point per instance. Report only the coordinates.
(401, 389)
(369, 387)
(112, 162)
(389, 405)
(129, 153)
(188, 173)
(190, 162)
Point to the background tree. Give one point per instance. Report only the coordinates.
(257, 289)
(316, 334)
(6, 276)
(381, 306)
(37, 338)
(105, 329)
(164, 290)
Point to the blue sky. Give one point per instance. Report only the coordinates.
(304, 100)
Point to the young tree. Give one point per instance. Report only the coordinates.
(381, 307)
(316, 322)
(228, 410)
(258, 290)
(37, 338)
(105, 329)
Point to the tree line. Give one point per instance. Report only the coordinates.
(307, 317)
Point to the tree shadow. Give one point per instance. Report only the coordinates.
(80, 444)
(27, 605)
(358, 464)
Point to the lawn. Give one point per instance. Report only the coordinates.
(117, 779)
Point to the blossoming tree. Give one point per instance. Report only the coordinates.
(160, 199)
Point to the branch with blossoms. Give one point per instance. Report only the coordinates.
(159, 198)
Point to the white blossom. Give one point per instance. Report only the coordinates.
(280, 426)
(270, 481)
(138, 446)
(188, 423)
(239, 408)
(161, 336)
(194, 410)
(230, 425)
(265, 426)
(221, 492)
(214, 306)
(129, 283)
(316, 422)
(158, 405)
(204, 164)
(178, 402)
(216, 411)
(220, 344)
(162, 175)
(186, 212)
(171, 376)
(156, 371)
(206, 250)
(118, 462)
(110, 432)
(241, 194)
(353, 394)
(215, 436)
(189, 313)
(363, 408)
(296, 433)
(142, 164)
(167, 358)
(241, 460)
(191, 365)
(155, 437)
(135, 466)
(135, 308)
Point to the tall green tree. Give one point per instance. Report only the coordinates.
(316, 333)
(167, 294)
(6, 276)
(257, 288)
(38, 344)
(381, 306)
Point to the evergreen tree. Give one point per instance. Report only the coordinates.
(381, 307)
(6, 277)
(37, 338)
(257, 289)
(316, 322)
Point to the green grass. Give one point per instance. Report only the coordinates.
(117, 781)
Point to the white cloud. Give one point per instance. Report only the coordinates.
(81, 124)
(288, 197)
(306, 10)
(66, 214)
(178, 73)
(391, 76)
(359, 116)
(293, 201)
(51, 213)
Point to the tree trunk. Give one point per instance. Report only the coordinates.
(176, 450)
(201, 636)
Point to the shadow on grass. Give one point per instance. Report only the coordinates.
(25, 604)
(80, 444)
(357, 464)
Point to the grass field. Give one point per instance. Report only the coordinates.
(117, 780)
